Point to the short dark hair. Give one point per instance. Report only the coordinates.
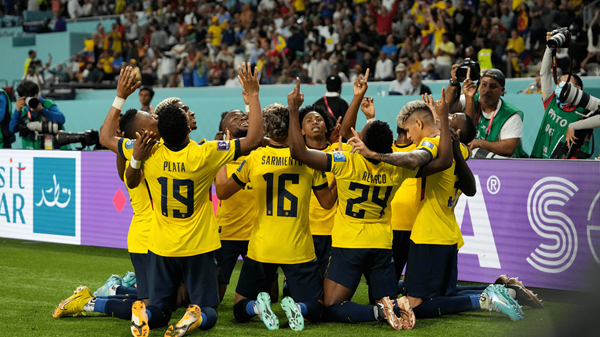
(223, 115)
(276, 121)
(145, 87)
(578, 80)
(126, 123)
(327, 118)
(379, 137)
(468, 134)
(172, 124)
(28, 89)
(31, 51)
(400, 130)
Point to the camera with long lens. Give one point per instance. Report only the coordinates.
(463, 68)
(46, 127)
(561, 38)
(87, 138)
(32, 102)
(577, 97)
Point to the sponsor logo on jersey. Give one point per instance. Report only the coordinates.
(223, 145)
(129, 144)
(427, 144)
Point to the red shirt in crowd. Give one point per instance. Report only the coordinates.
(384, 23)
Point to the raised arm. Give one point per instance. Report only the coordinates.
(125, 87)
(226, 186)
(546, 72)
(142, 148)
(313, 158)
(250, 84)
(444, 159)
(453, 92)
(360, 89)
(469, 89)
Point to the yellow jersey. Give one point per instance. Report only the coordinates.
(236, 216)
(321, 220)
(143, 216)
(281, 191)
(438, 193)
(365, 190)
(404, 205)
(180, 181)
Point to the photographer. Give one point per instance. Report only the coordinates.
(31, 107)
(499, 123)
(557, 116)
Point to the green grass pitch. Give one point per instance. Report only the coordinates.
(36, 276)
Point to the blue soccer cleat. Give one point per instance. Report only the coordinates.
(105, 290)
(262, 306)
(128, 280)
(496, 298)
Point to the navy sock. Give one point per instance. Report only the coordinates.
(126, 291)
(312, 310)
(350, 312)
(100, 304)
(480, 288)
(117, 308)
(240, 312)
(209, 318)
(400, 287)
(286, 289)
(475, 301)
(157, 318)
(469, 293)
(443, 305)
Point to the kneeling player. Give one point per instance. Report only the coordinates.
(281, 237)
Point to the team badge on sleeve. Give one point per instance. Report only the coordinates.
(427, 144)
(339, 156)
(223, 145)
(129, 144)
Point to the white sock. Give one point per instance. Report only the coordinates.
(89, 306)
(512, 293)
(484, 302)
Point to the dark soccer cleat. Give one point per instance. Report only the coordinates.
(524, 295)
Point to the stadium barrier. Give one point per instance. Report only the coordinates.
(529, 219)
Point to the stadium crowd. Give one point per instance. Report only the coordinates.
(200, 43)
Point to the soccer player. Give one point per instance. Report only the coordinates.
(362, 237)
(184, 236)
(281, 237)
(236, 216)
(431, 269)
(319, 131)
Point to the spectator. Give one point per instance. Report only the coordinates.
(484, 56)
(402, 82)
(105, 63)
(88, 8)
(59, 75)
(44, 109)
(319, 69)
(167, 66)
(200, 71)
(132, 28)
(416, 86)
(534, 87)
(462, 19)
(185, 69)
(232, 81)
(331, 101)
(145, 95)
(507, 17)
(227, 35)
(444, 52)
(215, 29)
(335, 70)
(6, 137)
(428, 63)
(158, 38)
(390, 48)
(75, 10)
(384, 68)
(384, 19)
(538, 31)
(33, 76)
(499, 124)
(414, 63)
(32, 54)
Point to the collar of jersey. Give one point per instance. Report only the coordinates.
(401, 146)
(177, 148)
(279, 146)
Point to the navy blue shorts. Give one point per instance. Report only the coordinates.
(227, 256)
(347, 265)
(303, 279)
(431, 270)
(322, 251)
(141, 275)
(198, 273)
(400, 248)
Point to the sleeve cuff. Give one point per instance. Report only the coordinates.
(121, 148)
(320, 187)
(237, 180)
(238, 150)
(428, 152)
(329, 161)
